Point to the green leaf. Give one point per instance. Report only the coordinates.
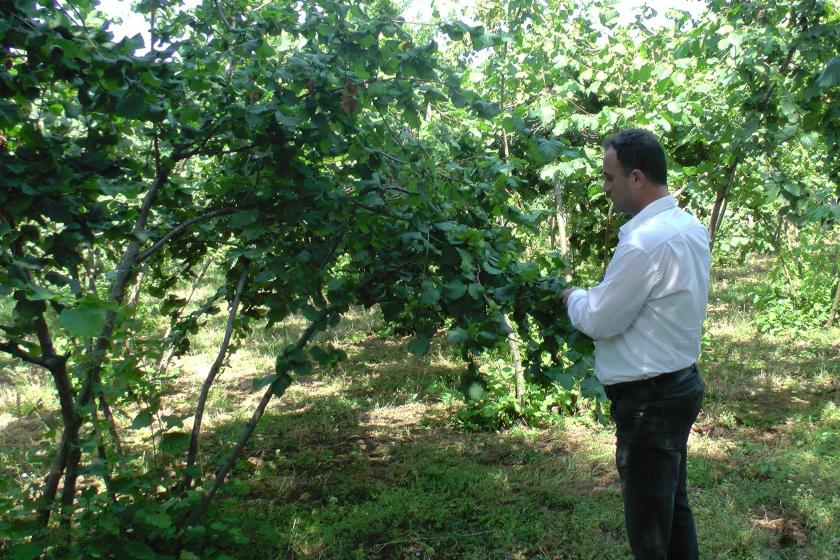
(484, 109)
(139, 550)
(279, 386)
(321, 356)
(456, 335)
(286, 121)
(487, 338)
(175, 442)
(243, 218)
(9, 114)
(310, 313)
(591, 387)
(504, 294)
(142, 420)
(475, 290)
(480, 37)
(509, 124)
(550, 149)
(419, 346)
(327, 357)
(430, 296)
(490, 269)
(454, 290)
(27, 551)
(159, 518)
(82, 321)
(830, 76)
(411, 118)
(261, 382)
(810, 140)
(455, 30)
(109, 523)
(303, 368)
(132, 106)
(792, 188)
(38, 293)
(579, 368)
(560, 377)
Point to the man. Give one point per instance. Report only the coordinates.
(646, 318)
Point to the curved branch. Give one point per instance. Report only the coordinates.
(178, 229)
(13, 349)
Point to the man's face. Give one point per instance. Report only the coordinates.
(618, 185)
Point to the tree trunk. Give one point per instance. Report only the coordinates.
(719, 207)
(714, 221)
(103, 456)
(779, 246)
(513, 345)
(516, 359)
(70, 444)
(832, 313)
(560, 220)
(552, 232)
(134, 297)
(103, 402)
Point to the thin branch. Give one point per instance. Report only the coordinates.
(112, 424)
(13, 349)
(179, 228)
(314, 327)
(211, 377)
(261, 6)
(163, 363)
(180, 156)
(222, 15)
(103, 456)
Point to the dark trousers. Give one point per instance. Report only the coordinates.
(653, 418)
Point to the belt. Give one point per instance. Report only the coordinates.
(660, 381)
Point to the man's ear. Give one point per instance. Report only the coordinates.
(637, 176)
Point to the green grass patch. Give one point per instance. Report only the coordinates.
(364, 461)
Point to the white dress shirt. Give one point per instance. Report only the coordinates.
(647, 314)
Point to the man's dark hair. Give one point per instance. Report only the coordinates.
(639, 149)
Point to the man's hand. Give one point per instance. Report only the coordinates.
(566, 294)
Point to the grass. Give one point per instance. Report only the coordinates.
(363, 461)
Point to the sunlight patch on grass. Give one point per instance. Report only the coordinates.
(27, 392)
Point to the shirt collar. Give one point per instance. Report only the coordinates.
(659, 205)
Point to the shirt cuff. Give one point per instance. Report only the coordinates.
(571, 307)
(579, 291)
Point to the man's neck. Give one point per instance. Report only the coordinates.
(651, 196)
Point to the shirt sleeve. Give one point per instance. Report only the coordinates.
(610, 308)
